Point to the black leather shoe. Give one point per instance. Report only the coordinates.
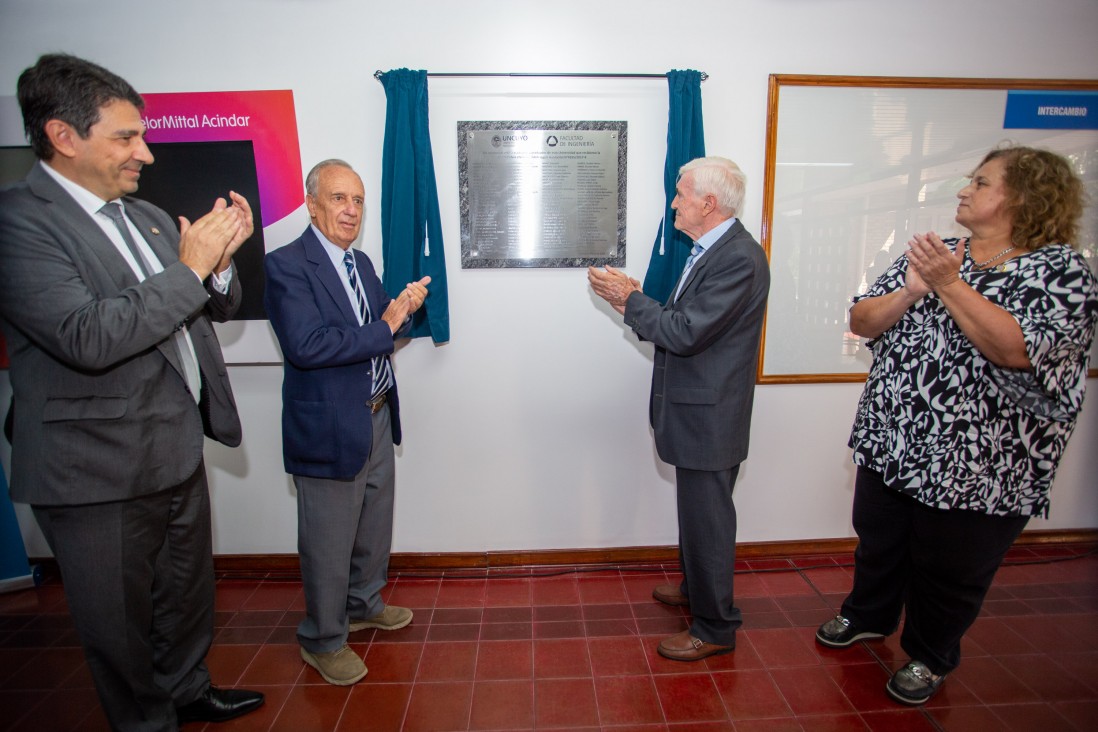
(840, 632)
(219, 705)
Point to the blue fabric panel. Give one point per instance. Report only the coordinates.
(13, 555)
(685, 141)
(411, 227)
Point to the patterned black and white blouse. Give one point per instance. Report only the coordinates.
(943, 424)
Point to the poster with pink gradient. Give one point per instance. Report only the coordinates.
(266, 118)
(240, 140)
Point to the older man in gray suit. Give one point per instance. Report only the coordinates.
(707, 343)
(117, 374)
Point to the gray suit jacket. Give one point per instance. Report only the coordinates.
(103, 411)
(707, 347)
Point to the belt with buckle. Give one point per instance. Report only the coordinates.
(377, 404)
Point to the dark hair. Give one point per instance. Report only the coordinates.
(1046, 196)
(70, 89)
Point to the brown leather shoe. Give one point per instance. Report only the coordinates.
(670, 595)
(685, 647)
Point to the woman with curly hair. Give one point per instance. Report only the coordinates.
(980, 349)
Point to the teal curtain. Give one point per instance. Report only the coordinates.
(685, 141)
(411, 228)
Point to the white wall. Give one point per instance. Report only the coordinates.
(529, 429)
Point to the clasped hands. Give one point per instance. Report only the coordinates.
(613, 286)
(931, 264)
(209, 243)
(406, 303)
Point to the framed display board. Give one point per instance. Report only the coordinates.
(856, 165)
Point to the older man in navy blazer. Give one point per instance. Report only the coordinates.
(340, 417)
(706, 339)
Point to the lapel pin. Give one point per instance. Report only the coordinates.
(155, 231)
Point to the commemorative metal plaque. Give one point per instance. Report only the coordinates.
(542, 194)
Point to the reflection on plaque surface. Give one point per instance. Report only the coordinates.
(542, 194)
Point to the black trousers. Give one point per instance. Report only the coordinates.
(936, 564)
(138, 577)
(707, 551)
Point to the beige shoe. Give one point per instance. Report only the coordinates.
(342, 667)
(391, 618)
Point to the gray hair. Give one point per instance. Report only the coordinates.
(721, 178)
(312, 180)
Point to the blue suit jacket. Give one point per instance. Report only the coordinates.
(326, 423)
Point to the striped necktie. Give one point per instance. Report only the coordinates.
(383, 370)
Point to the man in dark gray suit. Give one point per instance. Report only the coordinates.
(707, 344)
(117, 373)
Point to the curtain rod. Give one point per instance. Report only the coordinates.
(379, 73)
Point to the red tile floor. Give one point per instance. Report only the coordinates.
(576, 650)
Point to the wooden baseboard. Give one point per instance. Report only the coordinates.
(287, 565)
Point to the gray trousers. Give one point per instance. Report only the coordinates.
(344, 535)
(138, 577)
(707, 551)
